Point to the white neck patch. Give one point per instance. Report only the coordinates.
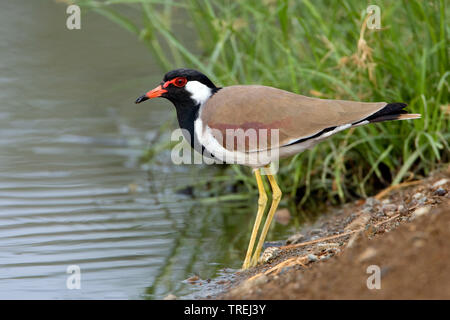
(199, 92)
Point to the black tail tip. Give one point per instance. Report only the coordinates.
(391, 108)
(395, 107)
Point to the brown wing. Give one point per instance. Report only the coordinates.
(295, 116)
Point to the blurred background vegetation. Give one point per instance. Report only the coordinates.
(322, 49)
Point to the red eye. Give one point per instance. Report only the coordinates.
(180, 82)
(177, 82)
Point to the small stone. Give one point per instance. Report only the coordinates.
(296, 238)
(370, 202)
(325, 257)
(283, 216)
(439, 183)
(389, 209)
(333, 251)
(269, 254)
(277, 243)
(417, 196)
(367, 210)
(328, 245)
(419, 243)
(440, 192)
(422, 201)
(315, 231)
(170, 297)
(312, 258)
(329, 253)
(370, 230)
(421, 211)
(369, 253)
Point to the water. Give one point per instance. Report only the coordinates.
(73, 190)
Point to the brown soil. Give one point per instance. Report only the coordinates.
(405, 233)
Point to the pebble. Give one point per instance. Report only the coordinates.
(422, 201)
(370, 202)
(329, 253)
(367, 254)
(440, 192)
(328, 245)
(370, 230)
(421, 211)
(368, 210)
(389, 209)
(269, 254)
(419, 243)
(170, 297)
(333, 251)
(325, 257)
(296, 238)
(315, 231)
(283, 216)
(439, 183)
(277, 243)
(312, 258)
(417, 195)
(402, 210)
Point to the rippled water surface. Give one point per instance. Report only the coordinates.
(72, 188)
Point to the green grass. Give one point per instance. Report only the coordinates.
(317, 48)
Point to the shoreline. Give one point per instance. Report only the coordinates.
(402, 233)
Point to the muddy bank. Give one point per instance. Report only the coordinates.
(402, 235)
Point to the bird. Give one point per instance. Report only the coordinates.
(210, 117)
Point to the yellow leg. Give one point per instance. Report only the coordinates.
(276, 197)
(262, 201)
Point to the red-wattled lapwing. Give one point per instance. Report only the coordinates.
(203, 110)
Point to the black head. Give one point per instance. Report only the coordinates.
(182, 86)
